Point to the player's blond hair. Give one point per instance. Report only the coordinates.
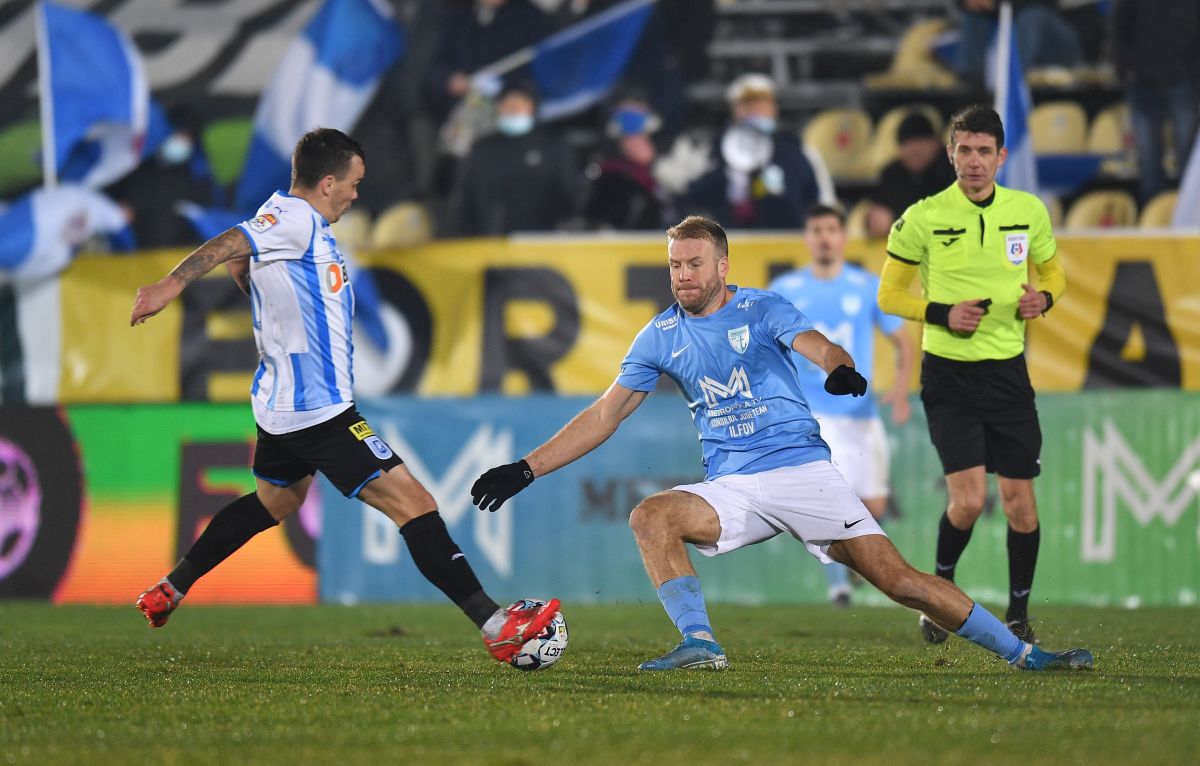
(699, 227)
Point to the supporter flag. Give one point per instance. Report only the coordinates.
(1013, 104)
(1187, 206)
(40, 232)
(326, 78)
(94, 96)
(578, 66)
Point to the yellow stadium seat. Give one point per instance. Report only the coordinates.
(1111, 134)
(1159, 211)
(884, 146)
(225, 143)
(353, 231)
(405, 224)
(913, 65)
(856, 220)
(842, 138)
(20, 162)
(1102, 210)
(1054, 207)
(1059, 127)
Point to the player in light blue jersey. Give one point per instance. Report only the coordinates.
(839, 298)
(729, 349)
(287, 260)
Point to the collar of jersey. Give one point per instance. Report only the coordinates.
(282, 193)
(961, 201)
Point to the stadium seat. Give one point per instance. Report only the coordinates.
(225, 143)
(841, 137)
(856, 220)
(405, 224)
(1102, 210)
(1159, 211)
(1059, 127)
(353, 231)
(1054, 207)
(884, 145)
(1111, 135)
(913, 66)
(20, 162)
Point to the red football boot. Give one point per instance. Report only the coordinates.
(526, 618)
(158, 602)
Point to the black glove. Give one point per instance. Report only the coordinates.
(499, 484)
(845, 380)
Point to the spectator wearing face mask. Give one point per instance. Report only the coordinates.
(177, 172)
(760, 177)
(622, 191)
(522, 177)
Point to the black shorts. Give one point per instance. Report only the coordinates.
(344, 448)
(982, 413)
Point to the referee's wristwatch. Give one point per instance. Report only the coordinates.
(1049, 301)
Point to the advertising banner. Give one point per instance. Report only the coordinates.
(556, 315)
(1117, 501)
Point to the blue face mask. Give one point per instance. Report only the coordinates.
(176, 150)
(764, 124)
(514, 124)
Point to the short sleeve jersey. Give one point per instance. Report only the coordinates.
(967, 250)
(736, 371)
(844, 309)
(302, 307)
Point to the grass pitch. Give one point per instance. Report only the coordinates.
(412, 684)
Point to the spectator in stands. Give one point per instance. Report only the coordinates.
(761, 178)
(622, 191)
(920, 170)
(177, 172)
(1155, 49)
(476, 34)
(520, 178)
(1044, 37)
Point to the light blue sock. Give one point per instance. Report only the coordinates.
(839, 578)
(684, 602)
(984, 628)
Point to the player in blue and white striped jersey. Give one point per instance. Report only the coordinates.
(287, 260)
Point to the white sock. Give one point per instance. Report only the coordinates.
(494, 624)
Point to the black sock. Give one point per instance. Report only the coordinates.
(443, 564)
(230, 529)
(951, 542)
(1022, 560)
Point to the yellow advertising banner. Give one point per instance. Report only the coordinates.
(558, 313)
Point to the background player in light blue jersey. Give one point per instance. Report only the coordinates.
(839, 299)
(767, 469)
(287, 260)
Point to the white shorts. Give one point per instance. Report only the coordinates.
(860, 451)
(812, 502)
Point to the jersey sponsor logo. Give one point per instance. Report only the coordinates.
(851, 304)
(739, 338)
(379, 447)
(361, 430)
(667, 324)
(335, 277)
(737, 385)
(263, 222)
(1016, 247)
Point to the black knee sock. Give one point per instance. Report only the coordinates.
(443, 564)
(951, 542)
(230, 529)
(1022, 560)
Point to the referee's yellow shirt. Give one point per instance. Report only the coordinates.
(967, 250)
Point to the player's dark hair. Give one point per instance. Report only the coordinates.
(818, 210)
(323, 152)
(699, 227)
(977, 118)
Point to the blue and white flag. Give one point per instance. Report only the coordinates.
(579, 66)
(40, 232)
(1187, 206)
(1013, 104)
(95, 100)
(326, 78)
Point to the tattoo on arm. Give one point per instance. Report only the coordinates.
(224, 247)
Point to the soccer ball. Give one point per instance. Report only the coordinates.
(544, 649)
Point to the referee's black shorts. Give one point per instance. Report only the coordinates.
(344, 448)
(982, 413)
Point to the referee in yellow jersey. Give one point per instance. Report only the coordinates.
(972, 246)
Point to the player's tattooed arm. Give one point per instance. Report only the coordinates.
(224, 248)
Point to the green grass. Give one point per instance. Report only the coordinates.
(412, 685)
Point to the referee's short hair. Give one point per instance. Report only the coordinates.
(323, 152)
(977, 118)
(699, 227)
